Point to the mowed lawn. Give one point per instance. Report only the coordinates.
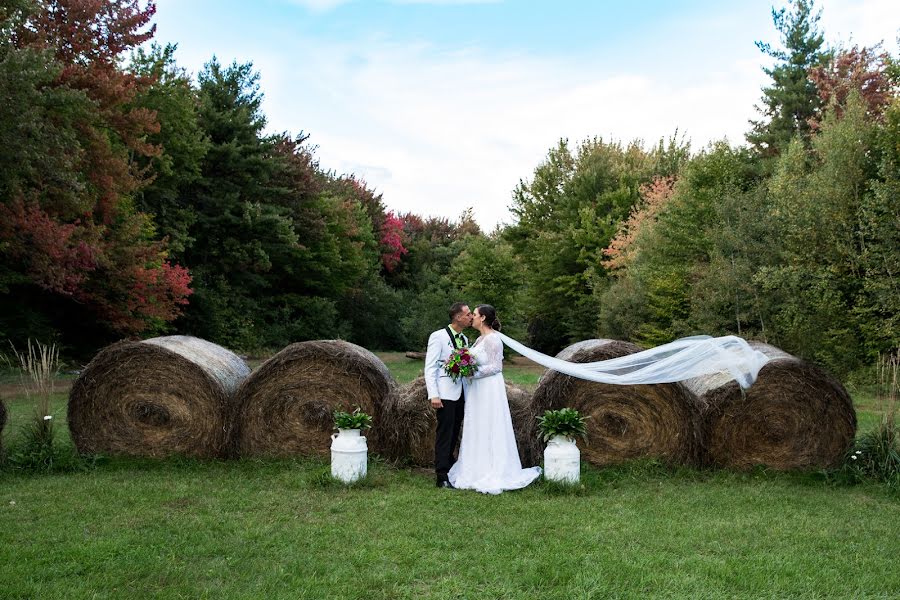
(129, 528)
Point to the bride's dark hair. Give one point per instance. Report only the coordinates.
(490, 315)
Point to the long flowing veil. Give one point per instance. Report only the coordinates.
(676, 361)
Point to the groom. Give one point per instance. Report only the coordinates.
(447, 397)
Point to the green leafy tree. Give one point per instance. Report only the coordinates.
(567, 216)
(487, 272)
(835, 279)
(880, 229)
(681, 245)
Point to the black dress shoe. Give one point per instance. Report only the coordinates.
(444, 483)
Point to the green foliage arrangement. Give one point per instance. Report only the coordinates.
(355, 420)
(566, 422)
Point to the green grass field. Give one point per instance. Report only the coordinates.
(129, 528)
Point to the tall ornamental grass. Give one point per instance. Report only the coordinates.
(36, 450)
(876, 453)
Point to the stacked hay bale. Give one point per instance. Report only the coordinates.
(411, 425)
(159, 397)
(795, 416)
(286, 407)
(625, 421)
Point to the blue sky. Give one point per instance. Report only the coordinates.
(445, 104)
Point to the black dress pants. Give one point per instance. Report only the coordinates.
(446, 440)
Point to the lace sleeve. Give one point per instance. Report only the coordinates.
(489, 356)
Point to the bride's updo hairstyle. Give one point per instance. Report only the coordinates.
(490, 315)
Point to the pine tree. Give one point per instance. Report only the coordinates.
(792, 99)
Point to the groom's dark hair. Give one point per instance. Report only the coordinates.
(455, 309)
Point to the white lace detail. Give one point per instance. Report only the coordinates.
(488, 351)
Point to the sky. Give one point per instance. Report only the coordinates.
(441, 105)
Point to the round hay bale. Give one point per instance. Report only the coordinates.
(160, 397)
(411, 425)
(625, 421)
(795, 416)
(286, 407)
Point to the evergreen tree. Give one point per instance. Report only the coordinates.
(238, 226)
(183, 144)
(792, 100)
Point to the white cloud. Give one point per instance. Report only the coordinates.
(438, 131)
(862, 22)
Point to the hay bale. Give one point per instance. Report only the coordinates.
(159, 397)
(796, 416)
(286, 407)
(412, 422)
(626, 421)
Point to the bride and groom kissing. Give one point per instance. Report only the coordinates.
(487, 460)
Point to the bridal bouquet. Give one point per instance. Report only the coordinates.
(460, 364)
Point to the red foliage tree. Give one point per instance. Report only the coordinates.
(127, 282)
(87, 37)
(94, 248)
(862, 69)
(58, 257)
(392, 230)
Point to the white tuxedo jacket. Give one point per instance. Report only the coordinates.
(439, 384)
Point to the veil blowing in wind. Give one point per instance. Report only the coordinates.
(682, 359)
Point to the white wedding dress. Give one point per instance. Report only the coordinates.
(488, 459)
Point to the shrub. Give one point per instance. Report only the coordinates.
(565, 421)
(355, 420)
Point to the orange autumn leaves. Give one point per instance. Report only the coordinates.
(654, 197)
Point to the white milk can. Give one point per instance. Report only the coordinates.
(562, 460)
(349, 455)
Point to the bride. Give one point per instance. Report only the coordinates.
(488, 459)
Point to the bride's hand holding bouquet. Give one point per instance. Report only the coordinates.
(460, 364)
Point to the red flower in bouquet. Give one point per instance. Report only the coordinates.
(460, 364)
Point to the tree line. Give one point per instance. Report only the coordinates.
(137, 200)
